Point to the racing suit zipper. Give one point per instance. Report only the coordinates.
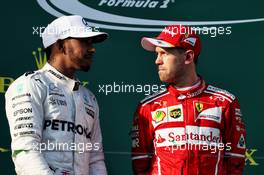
(186, 122)
(74, 118)
(184, 164)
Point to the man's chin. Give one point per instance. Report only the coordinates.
(162, 78)
(165, 80)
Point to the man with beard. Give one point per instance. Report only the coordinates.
(54, 120)
(191, 127)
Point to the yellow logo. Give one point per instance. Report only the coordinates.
(5, 82)
(249, 157)
(199, 106)
(158, 116)
(40, 58)
(175, 113)
(3, 150)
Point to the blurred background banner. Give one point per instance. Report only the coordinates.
(123, 73)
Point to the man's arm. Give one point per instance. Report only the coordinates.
(235, 136)
(142, 142)
(97, 164)
(24, 112)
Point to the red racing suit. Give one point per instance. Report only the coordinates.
(198, 131)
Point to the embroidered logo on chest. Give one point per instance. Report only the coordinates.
(207, 111)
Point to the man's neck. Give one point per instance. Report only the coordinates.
(63, 69)
(188, 87)
(187, 81)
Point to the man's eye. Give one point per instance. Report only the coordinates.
(164, 53)
(160, 53)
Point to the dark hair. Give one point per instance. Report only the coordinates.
(196, 60)
(48, 52)
(182, 50)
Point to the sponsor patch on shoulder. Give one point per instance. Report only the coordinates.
(238, 112)
(155, 95)
(221, 91)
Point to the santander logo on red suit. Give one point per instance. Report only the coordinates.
(189, 134)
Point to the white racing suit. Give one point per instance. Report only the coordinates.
(54, 125)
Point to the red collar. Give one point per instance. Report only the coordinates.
(181, 95)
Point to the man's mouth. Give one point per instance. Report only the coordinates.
(161, 69)
(88, 56)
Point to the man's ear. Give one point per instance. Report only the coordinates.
(189, 57)
(61, 47)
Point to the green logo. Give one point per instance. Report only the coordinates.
(40, 58)
(158, 116)
(250, 159)
(3, 150)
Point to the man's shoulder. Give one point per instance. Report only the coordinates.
(87, 91)
(220, 92)
(27, 78)
(88, 94)
(155, 96)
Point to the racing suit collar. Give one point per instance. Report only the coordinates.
(193, 91)
(72, 84)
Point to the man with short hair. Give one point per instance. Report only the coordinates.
(54, 120)
(191, 127)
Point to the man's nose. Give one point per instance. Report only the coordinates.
(158, 60)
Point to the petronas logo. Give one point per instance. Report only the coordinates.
(40, 58)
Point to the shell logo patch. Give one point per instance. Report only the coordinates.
(158, 116)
